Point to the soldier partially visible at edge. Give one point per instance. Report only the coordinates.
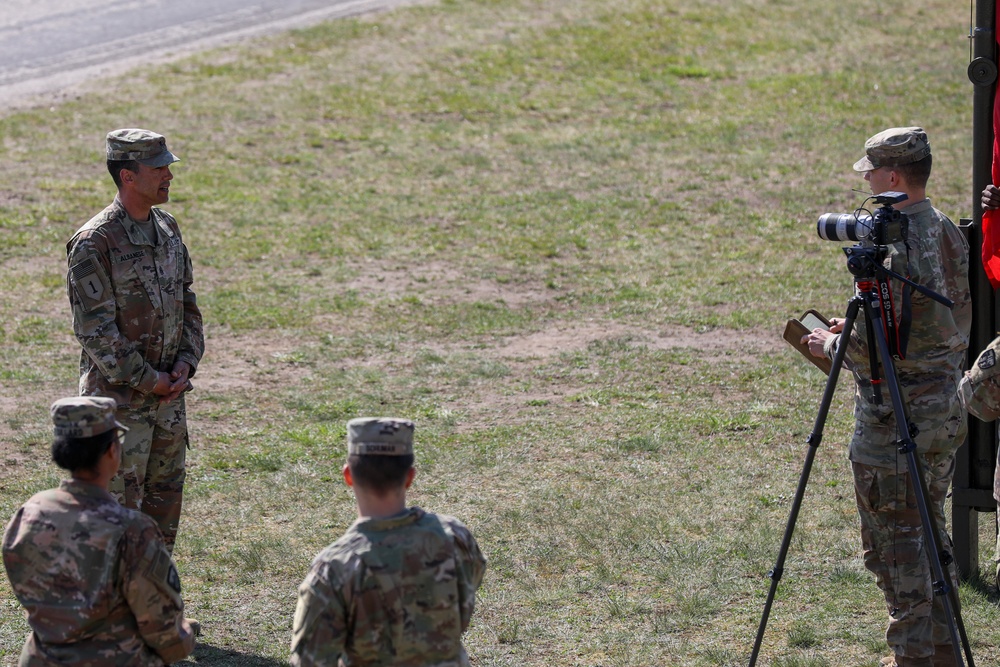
(399, 587)
(980, 388)
(129, 283)
(96, 580)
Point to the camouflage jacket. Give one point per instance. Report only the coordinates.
(96, 580)
(935, 255)
(397, 591)
(133, 309)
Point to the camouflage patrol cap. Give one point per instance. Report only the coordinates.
(980, 388)
(84, 416)
(894, 147)
(381, 436)
(143, 146)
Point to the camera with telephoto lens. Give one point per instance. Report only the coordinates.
(885, 226)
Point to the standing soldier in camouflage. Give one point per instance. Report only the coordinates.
(935, 255)
(399, 587)
(95, 578)
(129, 283)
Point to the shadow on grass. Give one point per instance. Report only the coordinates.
(206, 654)
(983, 586)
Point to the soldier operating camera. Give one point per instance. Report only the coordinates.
(931, 340)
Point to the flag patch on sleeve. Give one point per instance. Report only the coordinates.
(90, 283)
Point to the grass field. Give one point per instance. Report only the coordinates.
(561, 236)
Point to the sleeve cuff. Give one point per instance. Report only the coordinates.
(178, 649)
(147, 381)
(190, 359)
(830, 346)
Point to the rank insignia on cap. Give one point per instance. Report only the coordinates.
(380, 436)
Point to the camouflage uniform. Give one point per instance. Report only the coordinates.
(394, 591)
(134, 314)
(397, 591)
(935, 256)
(979, 392)
(95, 578)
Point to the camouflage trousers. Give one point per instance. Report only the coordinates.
(151, 477)
(892, 536)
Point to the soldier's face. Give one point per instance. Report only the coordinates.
(879, 179)
(153, 184)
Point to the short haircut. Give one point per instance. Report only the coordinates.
(115, 168)
(379, 474)
(81, 453)
(916, 173)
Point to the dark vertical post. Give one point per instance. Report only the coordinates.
(973, 484)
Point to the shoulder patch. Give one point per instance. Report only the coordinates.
(89, 282)
(161, 566)
(174, 579)
(988, 359)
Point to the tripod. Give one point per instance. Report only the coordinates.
(862, 263)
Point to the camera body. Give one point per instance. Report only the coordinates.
(874, 232)
(884, 227)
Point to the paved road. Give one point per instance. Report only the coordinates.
(49, 46)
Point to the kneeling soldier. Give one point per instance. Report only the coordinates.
(399, 587)
(95, 578)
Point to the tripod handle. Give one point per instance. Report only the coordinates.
(940, 298)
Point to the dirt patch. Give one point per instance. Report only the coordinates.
(441, 282)
(566, 337)
(237, 362)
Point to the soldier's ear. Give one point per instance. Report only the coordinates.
(348, 478)
(111, 458)
(895, 178)
(126, 176)
(410, 474)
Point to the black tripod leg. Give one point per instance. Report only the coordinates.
(942, 583)
(814, 439)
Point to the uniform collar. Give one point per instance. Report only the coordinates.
(917, 207)
(408, 516)
(135, 235)
(79, 487)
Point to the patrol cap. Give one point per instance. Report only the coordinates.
(382, 436)
(84, 416)
(143, 146)
(894, 147)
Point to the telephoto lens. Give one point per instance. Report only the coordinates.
(844, 226)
